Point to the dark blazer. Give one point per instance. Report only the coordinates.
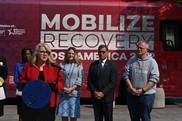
(104, 82)
(3, 68)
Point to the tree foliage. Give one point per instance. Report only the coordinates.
(180, 2)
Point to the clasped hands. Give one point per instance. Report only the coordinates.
(137, 92)
(99, 95)
(68, 90)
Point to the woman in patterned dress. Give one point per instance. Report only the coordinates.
(69, 106)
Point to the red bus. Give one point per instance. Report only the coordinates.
(85, 24)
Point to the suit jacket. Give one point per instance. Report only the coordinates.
(3, 68)
(104, 82)
(17, 71)
(51, 75)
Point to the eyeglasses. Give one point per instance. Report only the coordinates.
(102, 52)
(43, 52)
(140, 48)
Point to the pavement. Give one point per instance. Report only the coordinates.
(172, 111)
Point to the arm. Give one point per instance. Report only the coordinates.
(79, 79)
(149, 85)
(126, 77)
(90, 86)
(16, 74)
(78, 82)
(23, 74)
(60, 81)
(153, 77)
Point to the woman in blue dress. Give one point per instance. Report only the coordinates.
(26, 55)
(69, 106)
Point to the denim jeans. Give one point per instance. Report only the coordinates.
(140, 107)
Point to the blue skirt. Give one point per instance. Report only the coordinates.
(69, 107)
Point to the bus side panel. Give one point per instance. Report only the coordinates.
(85, 25)
(19, 28)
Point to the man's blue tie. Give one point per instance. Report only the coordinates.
(100, 67)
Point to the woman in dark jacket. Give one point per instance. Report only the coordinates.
(3, 75)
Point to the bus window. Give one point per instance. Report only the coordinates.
(170, 34)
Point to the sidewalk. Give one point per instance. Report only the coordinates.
(169, 113)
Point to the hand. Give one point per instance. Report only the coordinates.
(68, 90)
(96, 95)
(137, 92)
(99, 95)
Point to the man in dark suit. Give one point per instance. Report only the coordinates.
(102, 78)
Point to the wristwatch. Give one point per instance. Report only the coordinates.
(143, 90)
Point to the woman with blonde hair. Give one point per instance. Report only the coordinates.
(40, 68)
(69, 106)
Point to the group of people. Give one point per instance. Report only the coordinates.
(64, 80)
(141, 76)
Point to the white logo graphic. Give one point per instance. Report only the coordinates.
(16, 31)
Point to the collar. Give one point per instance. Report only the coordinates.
(103, 61)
